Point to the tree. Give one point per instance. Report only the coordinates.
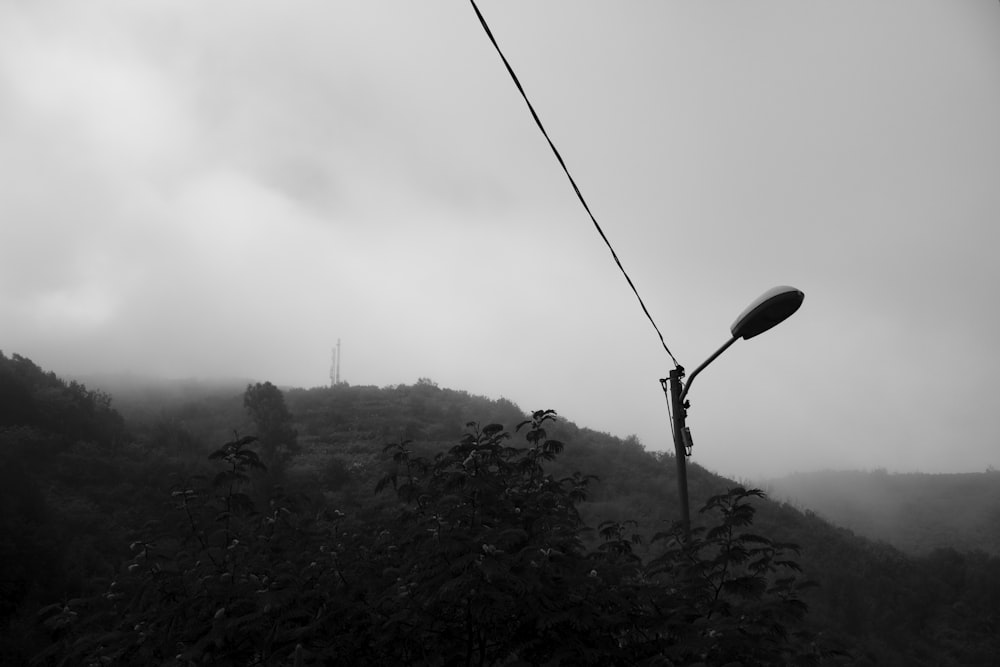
(277, 437)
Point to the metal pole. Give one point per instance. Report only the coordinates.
(712, 358)
(678, 426)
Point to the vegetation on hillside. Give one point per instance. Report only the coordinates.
(165, 538)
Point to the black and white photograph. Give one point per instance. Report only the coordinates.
(509, 333)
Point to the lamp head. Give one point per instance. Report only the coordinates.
(770, 309)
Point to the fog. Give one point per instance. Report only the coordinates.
(225, 189)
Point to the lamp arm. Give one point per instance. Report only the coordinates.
(706, 363)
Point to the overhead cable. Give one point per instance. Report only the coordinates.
(576, 188)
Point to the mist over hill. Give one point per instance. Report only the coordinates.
(915, 512)
(111, 501)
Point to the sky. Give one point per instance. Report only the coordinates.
(226, 188)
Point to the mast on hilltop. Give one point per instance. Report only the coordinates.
(335, 366)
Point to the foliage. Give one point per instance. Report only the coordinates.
(740, 594)
(31, 397)
(57, 444)
(221, 582)
(480, 563)
(486, 552)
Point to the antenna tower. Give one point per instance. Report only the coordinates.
(335, 366)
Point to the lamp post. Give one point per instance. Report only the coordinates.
(770, 309)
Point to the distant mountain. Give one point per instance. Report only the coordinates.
(915, 512)
(135, 394)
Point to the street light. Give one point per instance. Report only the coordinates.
(770, 309)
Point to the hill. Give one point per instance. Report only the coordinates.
(120, 504)
(917, 513)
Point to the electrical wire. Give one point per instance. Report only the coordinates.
(562, 163)
(670, 411)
